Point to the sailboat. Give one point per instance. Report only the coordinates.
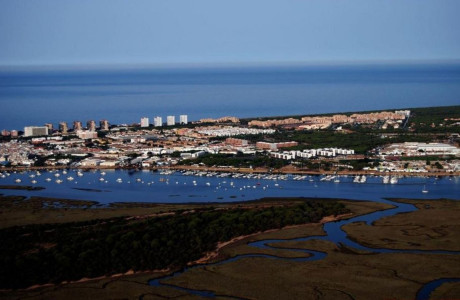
(424, 190)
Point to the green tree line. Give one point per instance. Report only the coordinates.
(39, 254)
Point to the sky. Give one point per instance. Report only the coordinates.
(162, 32)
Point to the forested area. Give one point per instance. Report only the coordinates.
(39, 254)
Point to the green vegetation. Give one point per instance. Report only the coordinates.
(362, 138)
(433, 226)
(43, 253)
(435, 119)
(358, 141)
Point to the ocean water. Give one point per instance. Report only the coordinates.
(125, 95)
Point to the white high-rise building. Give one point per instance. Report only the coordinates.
(35, 130)
(158, 121)
(171, 120)
(145, 122)
(183, 119)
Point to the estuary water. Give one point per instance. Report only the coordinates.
(147, 186)
(36, 97)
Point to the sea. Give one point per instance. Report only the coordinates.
(123, 95)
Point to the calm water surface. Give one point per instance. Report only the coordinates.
(176, 188)
(124, 96)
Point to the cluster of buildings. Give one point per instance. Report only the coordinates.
(223, 131)
(12, 133)
(221, 120)
(158, 121)
(312, 153)
(143, 145)
(323, 122)
(419, 149)
(88, 132)
(418, 166)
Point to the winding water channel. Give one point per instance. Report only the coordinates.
(119, 185)
(335, 234)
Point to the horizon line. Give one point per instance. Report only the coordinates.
(226, 65)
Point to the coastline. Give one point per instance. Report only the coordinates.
(294, 171)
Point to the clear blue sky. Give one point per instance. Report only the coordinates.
(67, 32)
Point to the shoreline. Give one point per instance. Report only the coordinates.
(241, 170)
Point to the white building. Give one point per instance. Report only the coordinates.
(35, 130)
(405, 113)
(171, 120)
(310, 153)
(158, 121)
(183, 119)
(85, 135)
(145, 122)
(420, 149)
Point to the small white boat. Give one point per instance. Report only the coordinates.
(80, 174)
(64, 172)
(34, 181)
(208, 184)
(101, 179)
(424, 190)
(103, 173)
(138, 180)
(70, 178)
(17, 180)
(386, 179)
(32, 176)
(48, 179)
(336, 180)
(57, 175)
(394, 180)
(119, 180)
(58, 181)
